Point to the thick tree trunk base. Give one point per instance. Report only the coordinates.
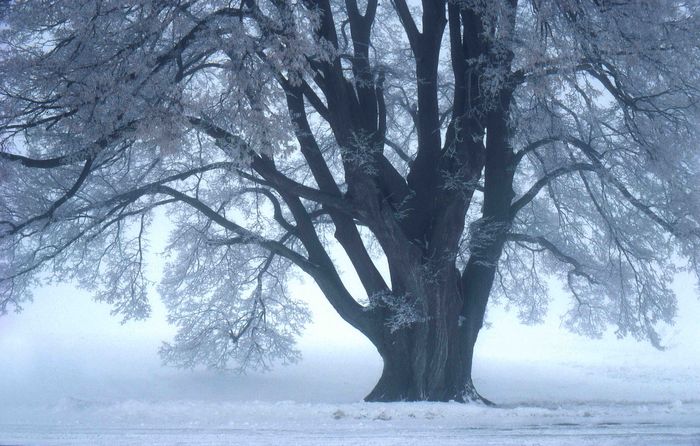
(437, 369)
(387, 391)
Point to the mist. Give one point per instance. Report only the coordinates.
(65, 346)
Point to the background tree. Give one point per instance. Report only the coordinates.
(472, 147)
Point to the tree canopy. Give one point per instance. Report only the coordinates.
(477, 147)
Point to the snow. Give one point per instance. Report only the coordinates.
(540, 403)
(131, 422)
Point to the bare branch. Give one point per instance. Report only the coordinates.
(578, 268)
(528, 196)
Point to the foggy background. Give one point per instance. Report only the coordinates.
(64, 348)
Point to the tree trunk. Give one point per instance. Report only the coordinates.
(431, 359)
(405, 379)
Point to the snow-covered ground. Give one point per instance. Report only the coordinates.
(316, 403)
(71, 376)
(77, 422)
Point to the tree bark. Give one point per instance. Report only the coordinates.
(402, 380)
(431, 359)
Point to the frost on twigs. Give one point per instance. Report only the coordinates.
(403, 311)
(362, 153)
(231, 305)
(483, 233)
(117, 88)
(615, 266)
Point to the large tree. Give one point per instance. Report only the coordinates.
(449, 151)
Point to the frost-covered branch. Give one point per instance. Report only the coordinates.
(271, 245)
